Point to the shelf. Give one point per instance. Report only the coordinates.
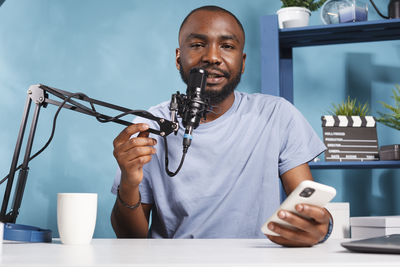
(355, 164)
(277, 61)
(355, 32)
(278, 44)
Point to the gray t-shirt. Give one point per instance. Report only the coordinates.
(229, 183)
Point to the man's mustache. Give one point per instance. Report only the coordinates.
(209, 67)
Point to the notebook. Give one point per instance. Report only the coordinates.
(381, 244)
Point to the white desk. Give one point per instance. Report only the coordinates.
(198, 252)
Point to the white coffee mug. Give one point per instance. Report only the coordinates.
(76, 217)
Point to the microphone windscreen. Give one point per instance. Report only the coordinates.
(197, 79)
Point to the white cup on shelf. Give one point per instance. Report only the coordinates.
(76, 217)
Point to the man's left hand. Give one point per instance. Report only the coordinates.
(307, 232)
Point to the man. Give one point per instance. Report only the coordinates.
(228, 185)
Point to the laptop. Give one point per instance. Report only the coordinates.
(381, 244)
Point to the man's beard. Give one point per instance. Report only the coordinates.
(216, 96)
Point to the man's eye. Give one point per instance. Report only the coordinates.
(196, 45)
(227, 46)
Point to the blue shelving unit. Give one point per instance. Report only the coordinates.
(379, 164)
(277, 60)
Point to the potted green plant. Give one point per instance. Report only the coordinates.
(350, 107)
(391, 119)
(349, 132)
(296, 13)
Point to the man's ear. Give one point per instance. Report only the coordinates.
(177, 58)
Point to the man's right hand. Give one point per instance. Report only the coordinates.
(132, 153)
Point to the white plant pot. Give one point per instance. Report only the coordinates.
(290, 17)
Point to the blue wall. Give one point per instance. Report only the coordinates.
(123, 52)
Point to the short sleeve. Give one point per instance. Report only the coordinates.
(299, 143)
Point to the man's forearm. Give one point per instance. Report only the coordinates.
(129, 223)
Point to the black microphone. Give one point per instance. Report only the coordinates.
(196, 104)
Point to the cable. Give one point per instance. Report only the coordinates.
(102, 120)
(172, 174)
(377, 10)
(51, 135)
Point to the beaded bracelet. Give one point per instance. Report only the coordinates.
(330, 228)
(126, 204)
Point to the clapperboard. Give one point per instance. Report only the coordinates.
(350, 138)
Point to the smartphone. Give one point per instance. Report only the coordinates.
(307, 192)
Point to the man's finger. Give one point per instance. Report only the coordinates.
(297, 221)
(319, 214)
(144, 134)
(128, 132)
(293, 236)
(129, 147)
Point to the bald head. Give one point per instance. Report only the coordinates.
(212, 9)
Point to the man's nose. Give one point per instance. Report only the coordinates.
(212, 55)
